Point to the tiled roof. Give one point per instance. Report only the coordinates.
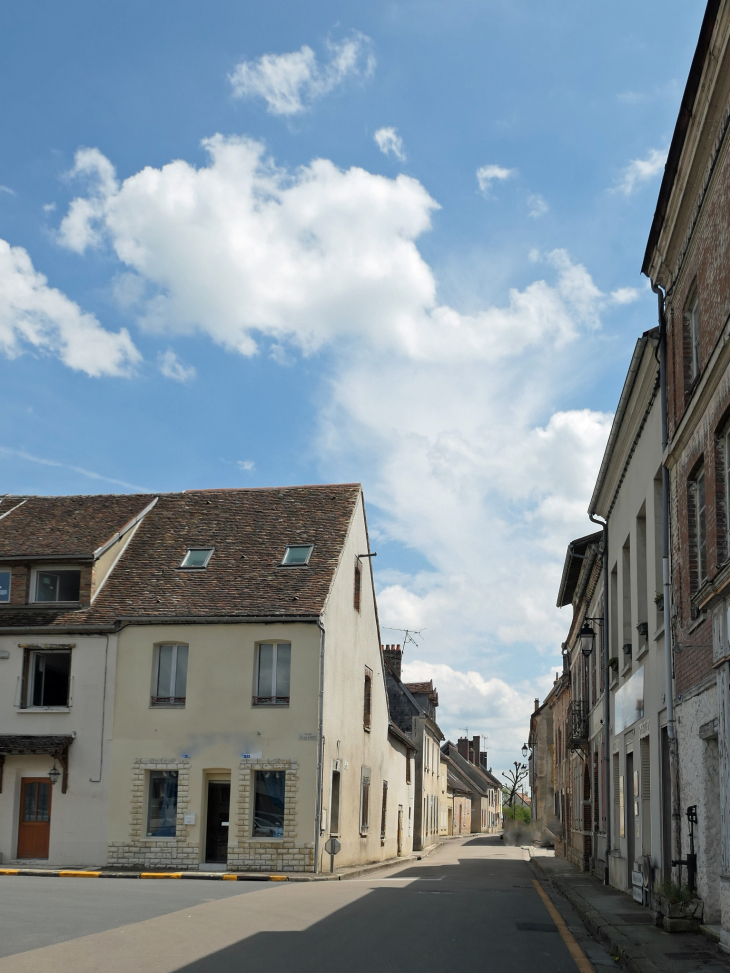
(64, 526)
(249, 530)
(423, 687)
(34, 743)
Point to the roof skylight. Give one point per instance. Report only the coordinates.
(297, 555)
(197, 557)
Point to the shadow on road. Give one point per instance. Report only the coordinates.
(482, 912)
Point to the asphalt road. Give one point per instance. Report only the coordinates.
(472, 904)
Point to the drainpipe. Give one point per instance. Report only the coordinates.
(320, 747)
(606, 701)
(669, 691)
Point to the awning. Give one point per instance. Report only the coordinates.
(23, 743)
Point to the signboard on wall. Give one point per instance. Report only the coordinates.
(629, 702)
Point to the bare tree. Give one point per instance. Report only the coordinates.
(513, 778)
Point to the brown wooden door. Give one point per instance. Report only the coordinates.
(34, 828)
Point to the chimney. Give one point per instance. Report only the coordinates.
(537, 705)
(393, 656)
(476, 747)
(463, 747)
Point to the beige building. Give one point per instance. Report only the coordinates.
(246, 716)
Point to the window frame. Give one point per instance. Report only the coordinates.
(335, 802)
(692, 318)
(257, 698)
(152, 774)
(357, 586)
(255, 795)
(9, 572)
(49, 569)
(365, 785)
(384, 812)
(196, 567)
(168, 702)
(296, 564)
(28, 690)
(367, 705)
(698, 496)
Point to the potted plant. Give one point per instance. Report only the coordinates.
(613, 663)
(675, 908)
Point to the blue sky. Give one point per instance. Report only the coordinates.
(410, 258)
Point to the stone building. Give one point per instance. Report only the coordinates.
(413, 711)
(467, 764)
(628, 497)
(541, 767)
(688, 261)
(205, 667)
(581, 729)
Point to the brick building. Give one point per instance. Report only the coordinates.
(688, 259)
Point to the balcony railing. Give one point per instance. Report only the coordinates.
(271, 700)
(168, 700)
(579, 721)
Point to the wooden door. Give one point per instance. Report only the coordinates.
(34, 828)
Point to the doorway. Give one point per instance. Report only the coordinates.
(34, 827)
(216, 832)
(630, 819)
(400, 830)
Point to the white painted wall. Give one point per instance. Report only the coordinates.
(79, 817)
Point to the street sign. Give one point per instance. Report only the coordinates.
(332, 846)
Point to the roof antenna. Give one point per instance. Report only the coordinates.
(408, 634)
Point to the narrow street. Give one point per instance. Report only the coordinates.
(473, 901)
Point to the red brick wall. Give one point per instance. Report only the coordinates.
(706, 266)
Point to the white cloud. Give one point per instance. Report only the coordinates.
(625, 295)
(90, 474)
(451, 414)
(171, 367)
(289, 83)
(247, 465)
(49, 207)
(36, 316)
(8, 190)
(537, 206)
(390, 143)
(640, 171)
(486, 175)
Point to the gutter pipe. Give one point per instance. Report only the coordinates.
(320, 748)
(606, 699)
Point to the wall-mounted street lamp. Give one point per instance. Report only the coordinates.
(587, 636)
(524, 750)
(54, 773)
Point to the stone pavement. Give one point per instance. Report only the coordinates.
(625, 927)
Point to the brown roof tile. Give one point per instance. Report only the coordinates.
(64, 526)
(249, 530)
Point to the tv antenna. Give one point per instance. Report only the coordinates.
(408, 634)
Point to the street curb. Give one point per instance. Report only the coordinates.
(218, 876)
(607, 934)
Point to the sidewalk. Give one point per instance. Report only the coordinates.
(625, 927)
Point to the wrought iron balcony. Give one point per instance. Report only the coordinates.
(579, 723)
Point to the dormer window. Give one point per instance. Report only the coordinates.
(197, 557)
(297, 555)
(4, 586)
(57, 584)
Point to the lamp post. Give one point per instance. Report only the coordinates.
(54, 773)
(524, 750)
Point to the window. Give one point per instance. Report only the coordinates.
(297, 555)
(162, 804)
(358, 586)
(368, 699)
(61, 585)
(273, 669)
(197, 557)
(335, 803)
(408, 767)
(4, 586)
(171, 675)
(364, 800)
(698, 526)
(48, 677)
(384, 810)
(692, 324)
(268, 814)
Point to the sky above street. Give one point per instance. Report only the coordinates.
(249, 244)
